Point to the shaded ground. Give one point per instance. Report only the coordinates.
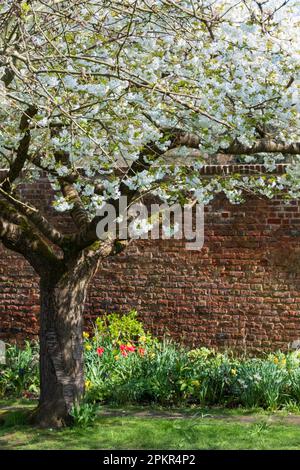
(153, 428)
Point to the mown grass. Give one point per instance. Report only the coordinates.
(148, 428)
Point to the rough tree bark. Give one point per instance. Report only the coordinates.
(61, 354)
(62, 300)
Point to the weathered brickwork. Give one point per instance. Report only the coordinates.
(242, 290)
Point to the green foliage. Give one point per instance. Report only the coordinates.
(120, 329)
(168, 374)
(84, 414)
(20, 375)
(14, 418)
(262, 383)
(152, 377)
(125, 364)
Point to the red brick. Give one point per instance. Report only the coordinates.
(244, 283)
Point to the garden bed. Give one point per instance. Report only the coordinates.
(125, 365)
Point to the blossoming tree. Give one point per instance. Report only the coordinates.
(96, 94)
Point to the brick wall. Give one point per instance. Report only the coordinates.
(242, 290)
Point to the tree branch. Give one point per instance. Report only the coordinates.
(17, 235)
(78, 212)
(263, 146)
(36, 219)
(22, 151)
(180, 137)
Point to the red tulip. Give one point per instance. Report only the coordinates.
(125, 347)
(100, 351)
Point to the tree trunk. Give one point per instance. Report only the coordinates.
(61, 346)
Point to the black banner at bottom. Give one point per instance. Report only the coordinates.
(138, 458)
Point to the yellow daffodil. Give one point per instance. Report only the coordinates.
(276, 360)
(143, 339)
(88, 384)
(283, 361)
(85, 334)
(195, 383)
(87, 347)
(233, 372)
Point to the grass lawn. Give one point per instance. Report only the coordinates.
(149, 428)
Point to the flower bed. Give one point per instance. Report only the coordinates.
(124, 364)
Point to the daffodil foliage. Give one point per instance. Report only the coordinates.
(134, 96)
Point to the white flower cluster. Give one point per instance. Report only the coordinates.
(105, 97)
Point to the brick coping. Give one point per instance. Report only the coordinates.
(226, 169)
